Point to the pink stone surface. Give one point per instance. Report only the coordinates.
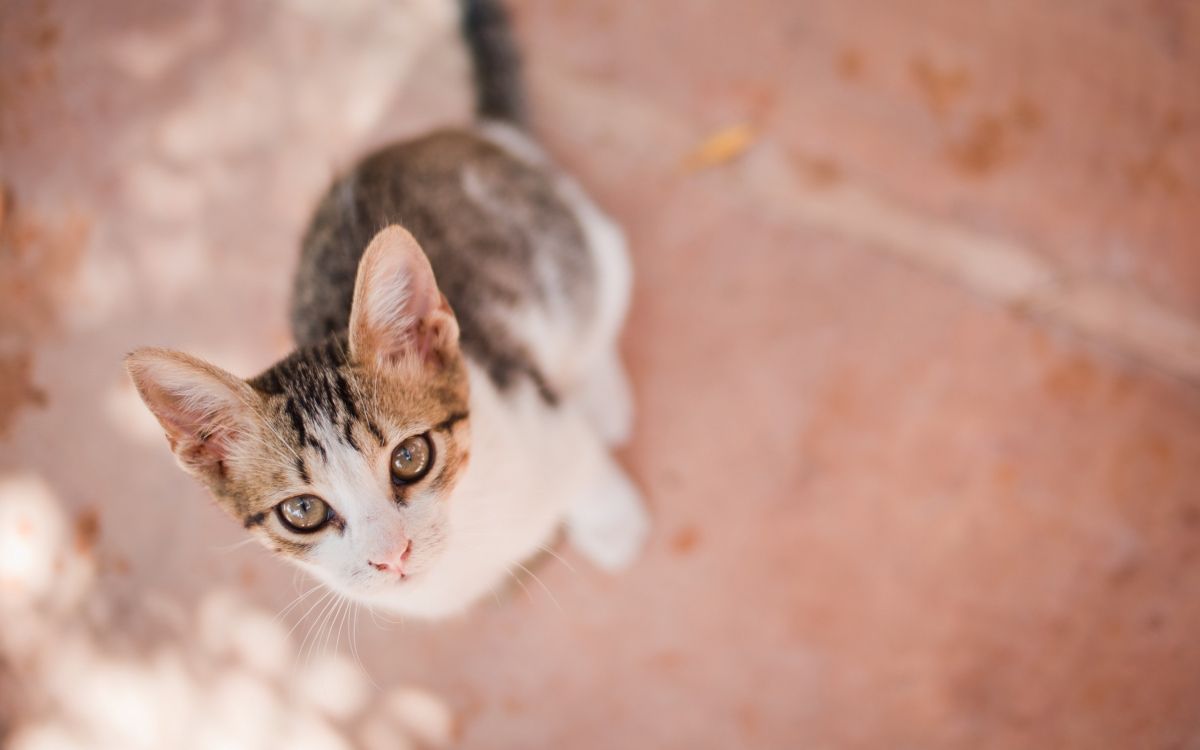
(888, 513)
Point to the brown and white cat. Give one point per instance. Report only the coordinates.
(456, 386)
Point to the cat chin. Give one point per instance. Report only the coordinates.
(383, 590)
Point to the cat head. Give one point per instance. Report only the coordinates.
(341, 457)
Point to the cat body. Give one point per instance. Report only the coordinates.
(456, 387)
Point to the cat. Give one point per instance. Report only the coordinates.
(456, 387)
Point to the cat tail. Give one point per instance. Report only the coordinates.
(499, 94)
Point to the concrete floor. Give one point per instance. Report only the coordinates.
(916, 346)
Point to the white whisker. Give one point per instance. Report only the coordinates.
(307, 612)
(321, 643)
(227, 548)
(340, 620)
(375, 617)
(328, 626)
(310, 642)
(556, 556)
(354, 647)
(295, 602)
(543, 585)
(521, 583)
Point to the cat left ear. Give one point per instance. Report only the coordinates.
(204, 410)
(398, 312)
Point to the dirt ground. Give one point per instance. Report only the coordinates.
(915, 341)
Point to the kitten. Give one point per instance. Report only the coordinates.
(456, 386)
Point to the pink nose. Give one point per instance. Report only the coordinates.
(393, 562)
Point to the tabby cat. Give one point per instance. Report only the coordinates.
(456, 386)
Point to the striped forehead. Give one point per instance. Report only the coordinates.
(322, 407)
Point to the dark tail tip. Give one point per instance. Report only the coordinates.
(495, 60)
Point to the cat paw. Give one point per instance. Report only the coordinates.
(610, 524)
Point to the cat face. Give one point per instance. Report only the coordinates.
(343, 456)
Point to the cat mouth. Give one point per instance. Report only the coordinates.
(389, 577)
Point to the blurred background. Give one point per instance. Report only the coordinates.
(915, 339)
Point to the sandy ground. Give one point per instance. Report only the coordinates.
(916, 342)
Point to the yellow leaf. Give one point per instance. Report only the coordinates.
(722, 146)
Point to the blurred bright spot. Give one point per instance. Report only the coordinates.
(187, 265)
(220, 683)
(103, 286)
(120, 701)
(423, 714)
(245, 708)
(217, 610)
(260, 642)
(146, 55)
(164, 194)
(117, 702)
(31, 538)
(334, 685)
(378, 734)
(45, 737)
(308, 732)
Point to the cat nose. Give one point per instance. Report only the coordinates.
(393, 562)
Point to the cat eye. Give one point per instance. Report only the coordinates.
(304, 514)
(411, 459)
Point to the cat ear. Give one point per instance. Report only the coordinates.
(398, 312)
(204, 410)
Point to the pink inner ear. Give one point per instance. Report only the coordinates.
(201, 408)
(398, 310)
(206, 437)
(200, 431)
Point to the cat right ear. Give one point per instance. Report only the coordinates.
(205, 411)
(399, 315)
